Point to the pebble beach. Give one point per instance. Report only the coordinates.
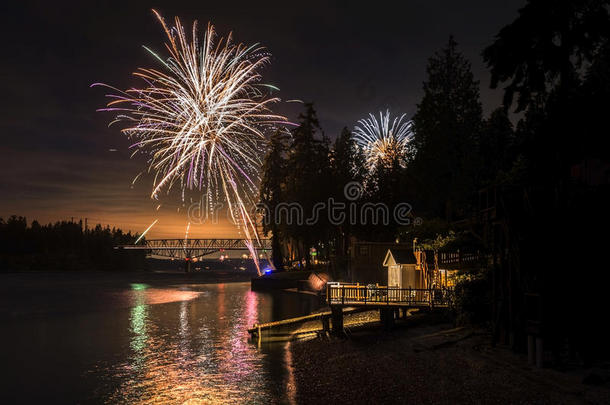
(425, 362)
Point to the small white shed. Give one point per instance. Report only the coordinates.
(402, 269)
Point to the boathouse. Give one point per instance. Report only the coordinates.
(423, 269)
(402, 269)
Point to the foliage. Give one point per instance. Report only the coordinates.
(437, 243)
(546, 46)
(64, 246)
(346, 162)
(428, 229)
(473, 300)
(447, 126)
(496, 147)
(308, 180)
(346, 167)
(273, 188)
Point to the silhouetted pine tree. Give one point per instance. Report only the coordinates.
(447, 125)
(273, 190)
(346, 166)
(496, 147)
(308, 182)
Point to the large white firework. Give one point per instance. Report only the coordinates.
(384, 141)
(201, 119)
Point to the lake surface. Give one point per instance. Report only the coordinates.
(70, 339)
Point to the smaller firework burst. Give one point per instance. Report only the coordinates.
(384, 142)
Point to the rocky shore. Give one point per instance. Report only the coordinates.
(427, 362)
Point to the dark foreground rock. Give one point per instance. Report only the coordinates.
(428, 364)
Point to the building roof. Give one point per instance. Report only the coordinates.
(399, 256)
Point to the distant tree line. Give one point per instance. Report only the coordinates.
(64, 245)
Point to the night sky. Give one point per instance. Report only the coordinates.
(56, 151)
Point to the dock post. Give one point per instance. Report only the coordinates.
(539, 352)
(325, 324)
(531, 351)
(337, 318)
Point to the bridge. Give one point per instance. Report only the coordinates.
(194, 248)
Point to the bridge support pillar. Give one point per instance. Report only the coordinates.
(337, 320)
(187, 265)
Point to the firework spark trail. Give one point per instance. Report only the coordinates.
(186, 238)
(201, 120)
(147, 229)
(382, 142)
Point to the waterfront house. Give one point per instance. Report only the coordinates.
(423, 269)
(366, 260)
(402, 269)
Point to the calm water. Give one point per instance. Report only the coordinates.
(77, 341)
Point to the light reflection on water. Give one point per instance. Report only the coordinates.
(79, 341)
(197, 354)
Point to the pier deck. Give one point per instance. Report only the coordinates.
(356, 295)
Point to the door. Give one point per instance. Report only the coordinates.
(394, 278)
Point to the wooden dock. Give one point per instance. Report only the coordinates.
(274, 328)
(346, 299)
(356, 295)
(390, 301)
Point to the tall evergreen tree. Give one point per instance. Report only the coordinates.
(346, 165)
(385, 184)
(346, 162)
(308, 180)
(540, 58)
(496, 146)
(273, 188)
(591, 106)
(545, 47)
(447, 123)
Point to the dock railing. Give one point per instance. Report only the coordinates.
(374, 295)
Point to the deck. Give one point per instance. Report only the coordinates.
(346, 299)
(356, 295)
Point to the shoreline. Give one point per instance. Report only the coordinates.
(428, 361)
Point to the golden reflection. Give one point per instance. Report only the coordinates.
(137, 323)
(291, 386)
(195, 351)
(138, 327)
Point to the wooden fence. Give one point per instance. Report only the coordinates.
(373, 295)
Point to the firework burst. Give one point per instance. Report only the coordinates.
(383, 143)
(200, 119)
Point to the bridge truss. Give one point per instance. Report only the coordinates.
(194, 248)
